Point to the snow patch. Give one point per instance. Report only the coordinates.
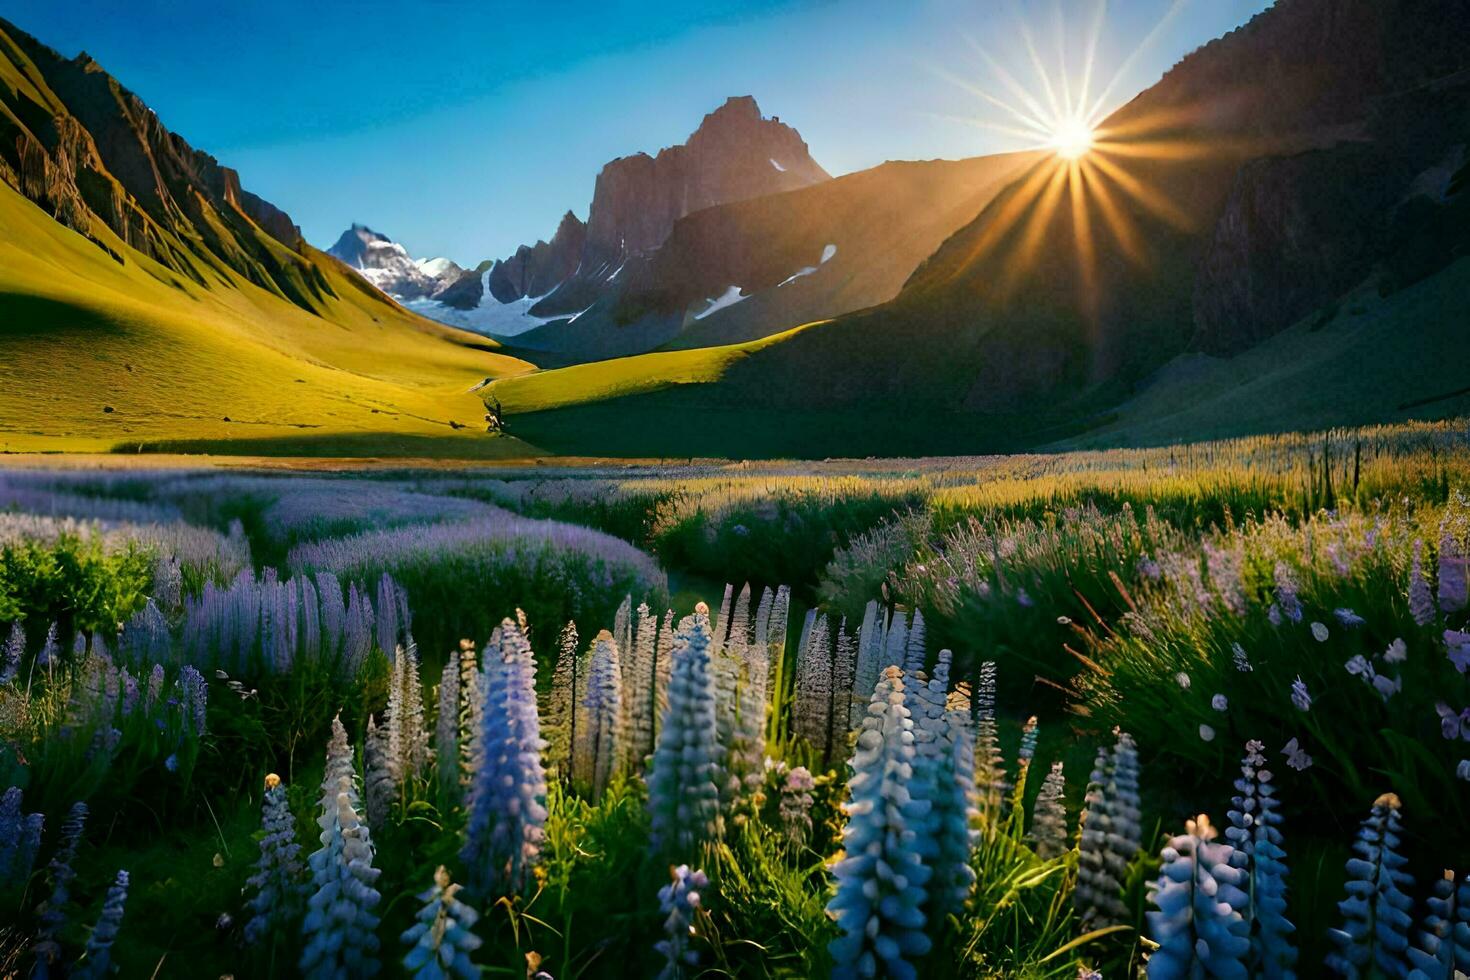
(777, 165)
(729, 297)
(827, 254)
(491, 316)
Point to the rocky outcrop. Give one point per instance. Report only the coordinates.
(735, 154)
(535, 270)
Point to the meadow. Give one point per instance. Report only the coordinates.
(1197, 710)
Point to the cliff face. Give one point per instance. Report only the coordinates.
(535, 270)
(85, 149)
(735, 154)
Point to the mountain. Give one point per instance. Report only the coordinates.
(1274, 192)
(735, 154)
(387, 265)
(146, 298)
(752, 268)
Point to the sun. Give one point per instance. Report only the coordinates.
(1071, 138)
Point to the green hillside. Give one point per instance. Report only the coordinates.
(174, 309)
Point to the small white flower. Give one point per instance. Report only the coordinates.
(1319, 632)
(1207, 733)
(1219, 703)
(1064, 621)
(1182, 679)
(1397, 652)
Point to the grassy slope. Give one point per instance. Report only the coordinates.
(1357, 368)
(81, 332)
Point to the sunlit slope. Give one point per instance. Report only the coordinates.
(1353, 368)
(82, 333)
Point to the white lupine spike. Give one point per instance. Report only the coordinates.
(446, 734)
(1111, 833)
(737, 637)
(896, 640)
(602, 745)
(1049, 819)
(867, 666)
(663, 666)
(990, 769)
(761, 634)
(941, 777)
(408, 747)
(776, 641)
(340, 928)
(916, 654)
(559, 719)
(844, 663)
(813, 702)
(641, 692)
(721, 625)
(379, 787)
(469, 709)
(748, 751)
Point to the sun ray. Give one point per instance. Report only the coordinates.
(1112, 214)
(1150, 199)
(1008, 212)
(1025, 252)
(1082, 235)
(1036, 65)
(1069, 110)
(1017, 90)
(1038, 125)
(1090, 58)
(1098, 107)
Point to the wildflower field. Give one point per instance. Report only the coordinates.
(1192, 711)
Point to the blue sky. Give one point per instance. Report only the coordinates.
(465, 129)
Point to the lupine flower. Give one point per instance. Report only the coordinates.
(1286, 593)
(810, 715)
(507, 819)
(446, 734)
(685, 776)
(20, 839)
(1300, 696)
(1206, 733)
(50, 650)
(53, 911)
(943, 777)
(844, 673)
(1182, 679)
(339, 930)
(1453, 725)
(99, 945)
(1296, 757)
(678, 902)
(916, 654)
(1049, 819)
(600, 737)
(1255, 833)
(277, 882)
(1454, 579)
(639, 672)
(1029, 734)
(990, 770)
(195, 693)
(1443, 948)
(796, 804)
(1397, 652)
(379, 787)
(1111, 834)
(408, 748)
(470, 703)
(1462, 771)
(1273, 615)
(880, 878)
(15, 648)
(1319, 632)
(441, 939)
(1376, 912)
(1457, 648)
(1198, 925)
(1220, 703)
(1348, 618)
(1421, 599)
(1242, 660)
(559, 719)
(868, 664)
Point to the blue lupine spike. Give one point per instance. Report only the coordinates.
(1199, 896)
(98, 961)
(685, 777)
(678, 901)
(47, 950)
(1375, 929)
(278, 880)
(441, 941)
(881, 878)
(1255, 833)
(506, 825)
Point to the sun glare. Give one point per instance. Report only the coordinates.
(1071, 139)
